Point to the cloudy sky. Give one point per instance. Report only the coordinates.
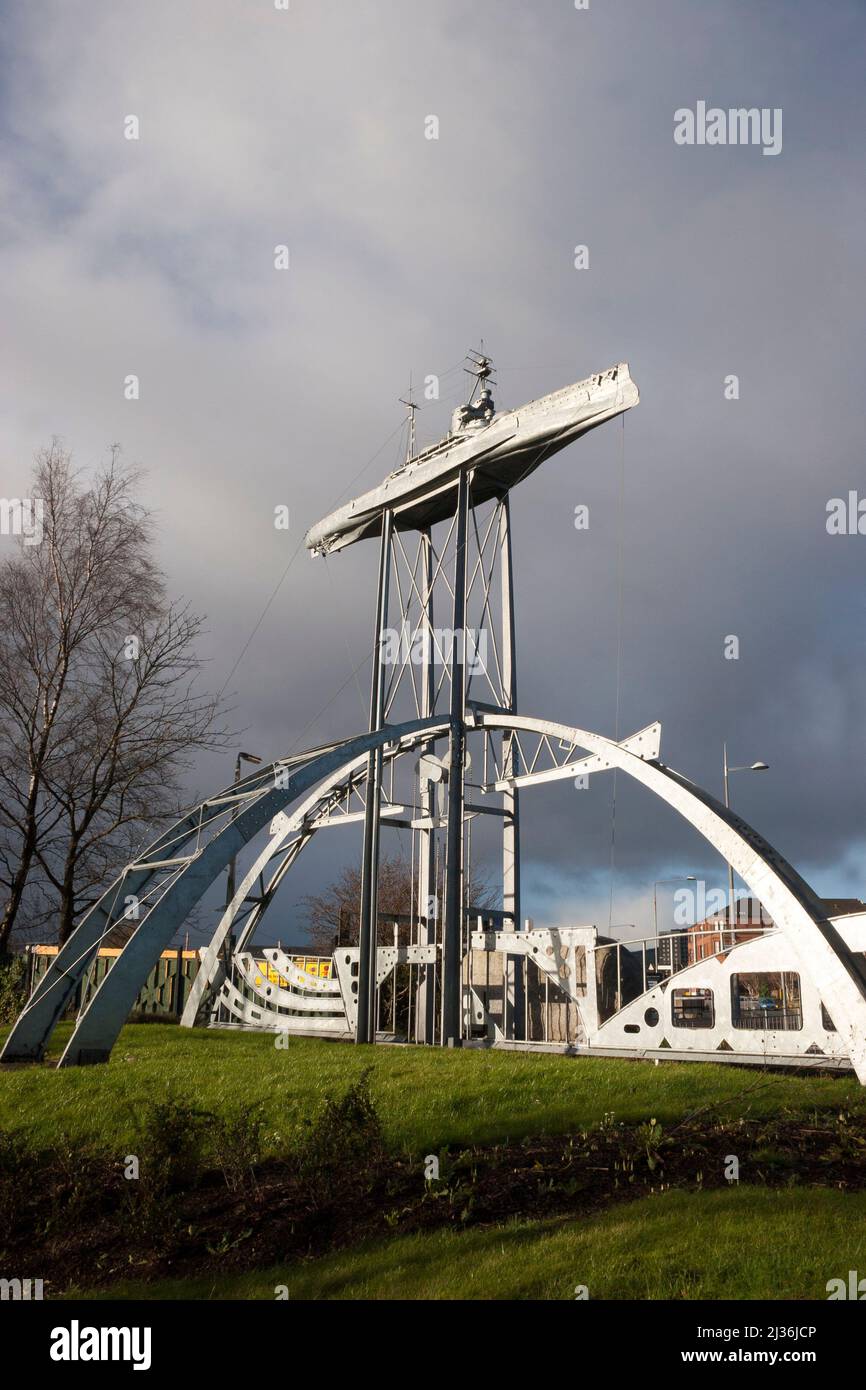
(260, 127)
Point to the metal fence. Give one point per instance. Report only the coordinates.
(769, 1020)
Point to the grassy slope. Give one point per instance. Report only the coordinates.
(427, 1098)
(742, 1243)
(745, 1243)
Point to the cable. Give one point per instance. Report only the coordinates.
(261, 619)
(398, 429)
(353, 669)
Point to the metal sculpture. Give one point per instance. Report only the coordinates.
(443, 705)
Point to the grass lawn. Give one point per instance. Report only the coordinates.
(744, 1243)
(426, 1097)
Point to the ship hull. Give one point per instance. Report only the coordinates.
(499, 454)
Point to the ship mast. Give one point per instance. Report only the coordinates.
(480, 368)
(411, 407)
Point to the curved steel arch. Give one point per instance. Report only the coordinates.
(303, 822)
(298, 823)
(240, 812)
(838, 974)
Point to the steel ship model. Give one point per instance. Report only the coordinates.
(447, 756)
(501, 449)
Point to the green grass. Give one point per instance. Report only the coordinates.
(426, 1097)
(743, 1243)
(740, 1243)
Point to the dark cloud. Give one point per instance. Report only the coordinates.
(556, 128)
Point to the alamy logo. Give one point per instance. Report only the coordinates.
(20, 1290)
(846, 516)
(77, 1343)
(696, 904)
(438, 645)
(22, 516)
(737, 126)
(855, 1288)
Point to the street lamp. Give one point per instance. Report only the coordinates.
(726, 772)
(680, 878)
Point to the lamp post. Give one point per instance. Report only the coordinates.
(680, 878)
(726, 772)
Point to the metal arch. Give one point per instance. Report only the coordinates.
(295, 1005)
(210, 966)
(138, 881)
(259, 798)
(792, 904)
(261, 1017)
(302, 819)
(301, 998)
(98, 1027)
(788, 898)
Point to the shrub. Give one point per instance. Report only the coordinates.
(20, 1168)
(171, 1143)
(344, 1146)
(236, 1142)
(13, 987)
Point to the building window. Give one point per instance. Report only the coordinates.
(692, 1008)
(827, 1021)
(767, 1001)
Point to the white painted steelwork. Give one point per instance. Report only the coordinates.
(500, 453)
(343, 783)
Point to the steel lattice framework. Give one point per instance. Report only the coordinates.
(446, 748)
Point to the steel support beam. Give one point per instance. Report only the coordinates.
(427, 904)
(452, 939)
(369, 917)
(514, 983)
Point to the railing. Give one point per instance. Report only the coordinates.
(769, 1020)
(650, 949)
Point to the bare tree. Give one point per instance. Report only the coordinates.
(99, 705)
(333, 915)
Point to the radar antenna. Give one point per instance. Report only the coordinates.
(480, 368)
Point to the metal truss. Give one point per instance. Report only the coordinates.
(313, 783)
(158, 891)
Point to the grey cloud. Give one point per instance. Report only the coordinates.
(260, 388)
